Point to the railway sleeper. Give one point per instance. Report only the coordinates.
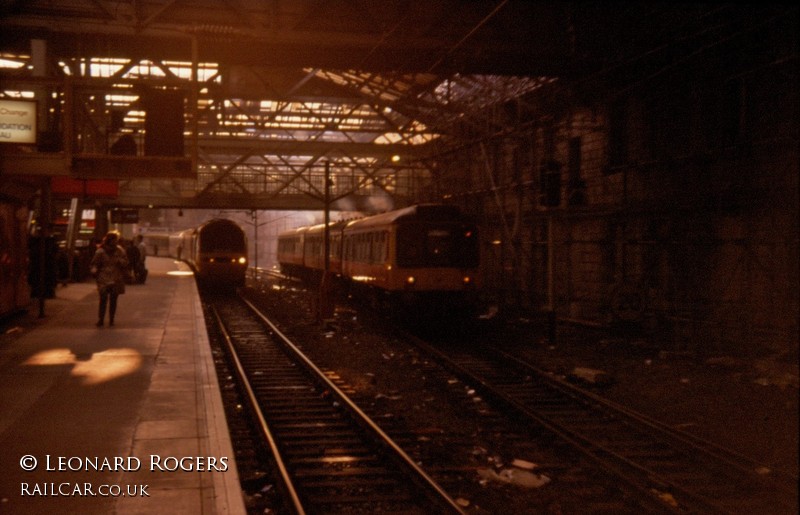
(298, 415)
(272, 384)
(311, 440)
(300, 453)
(345, 504)
(310, 427)
(366, 458)
(339, 484)
(281, 404)
(288, 418)
(344, 473)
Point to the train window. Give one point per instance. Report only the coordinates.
(384, 240)
(439, 245)
(363, 250)
(222, 240)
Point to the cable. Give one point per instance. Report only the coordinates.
(468, 35)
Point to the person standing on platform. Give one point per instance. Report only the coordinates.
(141, 272)
(109, 265)
(133, 260)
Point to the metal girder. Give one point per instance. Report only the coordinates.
(293, 202)
(448, 35)
(219, 145)
(236, 139)
(257, 123)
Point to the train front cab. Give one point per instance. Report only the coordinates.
(421, 260)
(220, 254)
(436, 265)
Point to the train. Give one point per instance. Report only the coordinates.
(216, 250)
(425, 256)
(15, 291)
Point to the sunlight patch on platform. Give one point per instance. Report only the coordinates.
(91, 368)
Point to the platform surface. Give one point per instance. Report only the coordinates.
(115, 420)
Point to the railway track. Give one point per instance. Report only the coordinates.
(671, 469)
(328, 455)
(651, 466)
(468, 446)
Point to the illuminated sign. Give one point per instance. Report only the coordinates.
(17, 121)
(67, 187)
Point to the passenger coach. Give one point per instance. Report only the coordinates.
(422, 254)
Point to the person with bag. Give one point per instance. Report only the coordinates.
(109, 266)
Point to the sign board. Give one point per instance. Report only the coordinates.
(95, 188)
(18, 121)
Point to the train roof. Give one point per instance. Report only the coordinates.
(308, 229)
(218, 226)
(331, 225)
(431, 212)
(437, 212)
(294, 232)
(215, 221)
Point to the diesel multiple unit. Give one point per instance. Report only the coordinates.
(426, 252)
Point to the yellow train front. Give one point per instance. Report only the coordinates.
(424, 258)
(218, 253)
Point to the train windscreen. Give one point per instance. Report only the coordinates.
(222, 238)
(422, 245)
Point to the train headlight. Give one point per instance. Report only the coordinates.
(242, 260)
(410, 280)
(467, 280)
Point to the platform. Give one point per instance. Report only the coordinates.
(125, 419)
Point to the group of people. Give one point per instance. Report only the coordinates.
(115, 264)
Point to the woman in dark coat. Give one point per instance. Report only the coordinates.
(109, 265)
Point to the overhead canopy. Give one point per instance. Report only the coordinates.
(276, 91)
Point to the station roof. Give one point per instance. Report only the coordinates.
(373, 88)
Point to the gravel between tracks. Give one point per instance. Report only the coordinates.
(748, 406)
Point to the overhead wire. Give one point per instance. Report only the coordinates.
(468, 35)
